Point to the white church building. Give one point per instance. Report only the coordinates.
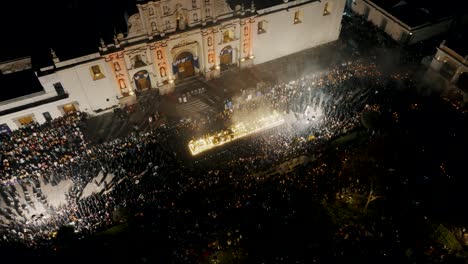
(169, 41)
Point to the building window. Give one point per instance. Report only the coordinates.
(96, 72)
(208, 12)
(228, 36)
(159, 55)
(297, 17)
(448, 70)
(207, 2)
(168, 24)
(195, 17)
(261, 27)
(326, 9)
(166, 10)
(26, 120)
(194, 3)
(246, 31)
(153, 26)
(47, 116)
(383, 24)
(59, 88)
(162, 71)
(151, 11)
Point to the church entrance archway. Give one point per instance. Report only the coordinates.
(225, 57)
(184, 65)
(142, 80)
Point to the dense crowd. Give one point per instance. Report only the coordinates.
(189, 194)
(36, 148)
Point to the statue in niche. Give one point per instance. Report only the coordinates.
(159, 55)
(181, 20)
(138, 61)
(162, 71)
(116, 66)
(122, 84)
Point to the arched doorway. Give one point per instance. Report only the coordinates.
(183, 65)
(142, 80)
(225, 57)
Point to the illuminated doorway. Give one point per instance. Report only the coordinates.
(225, 57)
(185, 68)
(69, 108)
(25, 120)
(142, 80)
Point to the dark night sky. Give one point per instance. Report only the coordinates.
(71, 27)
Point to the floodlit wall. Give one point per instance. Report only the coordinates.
(283, 35)
(37, 113)
(93, 95)
(448, 57)
(85, 93)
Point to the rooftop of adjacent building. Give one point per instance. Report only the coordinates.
(417, 12)
(18, 84)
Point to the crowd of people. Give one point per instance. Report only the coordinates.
(152, 169)
(36, 148)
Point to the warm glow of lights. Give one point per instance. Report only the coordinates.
(171, 81)
(242, 59)
(251, 57)
(237, 131)
(217, 67)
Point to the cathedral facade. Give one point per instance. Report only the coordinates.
(169, 41)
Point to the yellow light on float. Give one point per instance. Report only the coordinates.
(233, 133)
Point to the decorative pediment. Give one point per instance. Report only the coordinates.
(183, 43)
